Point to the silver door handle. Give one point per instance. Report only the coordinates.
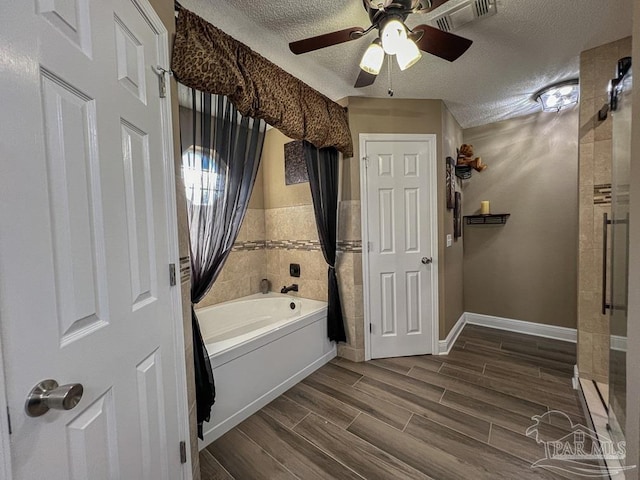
(48, 394)
(427, 260)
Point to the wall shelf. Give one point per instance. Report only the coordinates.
(491, 219)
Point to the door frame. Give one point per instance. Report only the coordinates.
(5, 444)
(168, 167)
(364, 216)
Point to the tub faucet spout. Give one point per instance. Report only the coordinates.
(292, 288)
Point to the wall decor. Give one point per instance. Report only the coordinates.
(457, 217)
(451, 183)
(466, 162)
(295, 168)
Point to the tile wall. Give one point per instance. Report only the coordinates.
(597, 67)
(292, 237)
(246, 264)
(270, 240)
(349, 268)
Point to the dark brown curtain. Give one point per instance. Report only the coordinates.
(323, 168)
(221, 152)
(209, 60)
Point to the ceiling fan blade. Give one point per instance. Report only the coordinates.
(441, 44)
(434, 4)
(422, 6)
(365, 79)
(326, 40)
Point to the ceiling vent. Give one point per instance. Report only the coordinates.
(464, 13)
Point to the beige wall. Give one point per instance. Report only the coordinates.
(597, 67)
(386, 115)
(276, 193)
(165, 11)
(453, 287)
(526, 269)
(256, 202)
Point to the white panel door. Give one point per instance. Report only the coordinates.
(400, 220)
(85, 229)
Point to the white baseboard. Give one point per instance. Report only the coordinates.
(445, 346)
(223, 427)
(521, 326)
(517, 326)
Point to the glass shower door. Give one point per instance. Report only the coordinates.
(621, 143)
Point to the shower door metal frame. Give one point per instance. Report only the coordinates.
(618, 301)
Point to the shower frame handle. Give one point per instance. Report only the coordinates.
(605, 235)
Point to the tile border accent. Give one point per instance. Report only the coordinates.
(293, 245)
(185, 269)
(248, 246)
(351, 246)
(602, 194)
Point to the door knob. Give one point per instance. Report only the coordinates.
(426, 260)
(48, 394)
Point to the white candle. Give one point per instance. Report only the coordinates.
(484, 207)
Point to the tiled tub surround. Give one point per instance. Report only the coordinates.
(271, 239)
(292, 237)
(349, 267)
(246, 264)
(597, 67)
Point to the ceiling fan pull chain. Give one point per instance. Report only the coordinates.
(389, 67)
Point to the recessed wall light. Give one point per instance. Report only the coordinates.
(554, 98)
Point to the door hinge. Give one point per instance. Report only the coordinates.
(9, 420)
(162, 81)
(370, 328)
(365, 159)
(172, 274)
(183, 452)
(369, 246)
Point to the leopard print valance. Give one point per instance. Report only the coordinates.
(207, 59)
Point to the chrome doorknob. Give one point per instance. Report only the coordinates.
(48, 394)
(426, 260)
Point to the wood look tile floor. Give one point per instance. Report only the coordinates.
(459, 416)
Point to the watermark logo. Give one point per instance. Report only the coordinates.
(581, 451)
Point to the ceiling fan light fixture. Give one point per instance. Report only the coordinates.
(408, 54)
(373, 57)
(394, 33)
(554, 98)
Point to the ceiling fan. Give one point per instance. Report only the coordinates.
(395, 38)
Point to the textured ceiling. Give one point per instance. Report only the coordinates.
(527, 45)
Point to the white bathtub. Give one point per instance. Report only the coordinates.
(260, 346)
